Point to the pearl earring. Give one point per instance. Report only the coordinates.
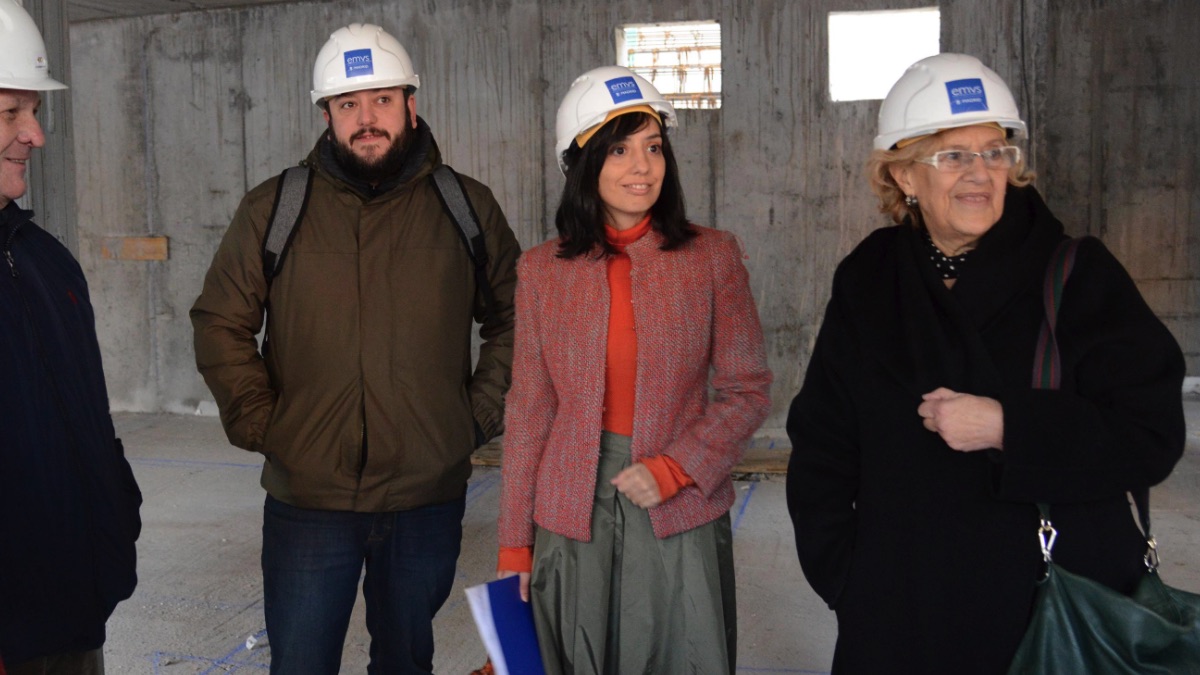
(911, 200)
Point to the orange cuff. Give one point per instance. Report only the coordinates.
(671, 477)
(515, 559)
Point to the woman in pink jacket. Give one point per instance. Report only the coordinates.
(616, 497)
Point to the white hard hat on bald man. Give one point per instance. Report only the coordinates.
(23, 62)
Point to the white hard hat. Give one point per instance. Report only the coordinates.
(361, 56)
(598, 92)
(943, 92)
(23, 63)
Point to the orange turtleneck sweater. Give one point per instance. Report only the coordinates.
(620, 378)
(620, 364)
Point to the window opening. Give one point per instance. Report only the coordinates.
(869, 51)
(682, 60)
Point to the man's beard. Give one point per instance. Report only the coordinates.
(380, 167)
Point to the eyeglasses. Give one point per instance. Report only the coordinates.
(961, 160)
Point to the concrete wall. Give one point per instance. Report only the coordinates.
(177, 116)
(51, 192)
(1121, 115)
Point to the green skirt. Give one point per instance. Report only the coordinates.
(628, 603)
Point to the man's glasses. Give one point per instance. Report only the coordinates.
(960, 160)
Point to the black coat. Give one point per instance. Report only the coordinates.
(68, 500)
(929, 556)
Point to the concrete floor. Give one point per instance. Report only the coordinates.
(200, 591)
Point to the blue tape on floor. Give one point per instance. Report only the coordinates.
(745, 502)
(480, 486)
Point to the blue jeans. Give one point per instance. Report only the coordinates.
(312, 561)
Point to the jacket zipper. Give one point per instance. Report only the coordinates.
(362, 461)
(12, 265)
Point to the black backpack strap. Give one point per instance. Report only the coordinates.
(291, 198)
(454, 200)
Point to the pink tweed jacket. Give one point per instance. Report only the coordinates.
(693, 311)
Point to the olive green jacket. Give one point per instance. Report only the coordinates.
(363, 398)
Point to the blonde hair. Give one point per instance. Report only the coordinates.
(891, 197)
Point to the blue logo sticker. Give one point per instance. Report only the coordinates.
(358, 62)
(622, 89)
(966, 96)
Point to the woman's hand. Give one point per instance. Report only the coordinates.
(638, 485)
(523, 584)
(965, 422)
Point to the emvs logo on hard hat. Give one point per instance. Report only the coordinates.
(966, 95)
(358, 63)
(623, 89)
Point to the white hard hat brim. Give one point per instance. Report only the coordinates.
(665, 111)
(22, 84)
(1016, 129)
(325, 94)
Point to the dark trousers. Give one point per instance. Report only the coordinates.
(74, 663)
(312, 562)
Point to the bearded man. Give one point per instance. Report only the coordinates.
(363, 400)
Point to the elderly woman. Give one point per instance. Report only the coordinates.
(616, 494)
(919, 444)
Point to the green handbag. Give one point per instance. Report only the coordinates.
(1082, 627)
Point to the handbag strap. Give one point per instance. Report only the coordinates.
(1047, 374)
(1047, 364)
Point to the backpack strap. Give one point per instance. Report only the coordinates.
(291, 198)
(450, 191)
(1047, 364)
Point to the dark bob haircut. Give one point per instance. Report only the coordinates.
(580, 217)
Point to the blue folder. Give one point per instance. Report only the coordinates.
(505, 623)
